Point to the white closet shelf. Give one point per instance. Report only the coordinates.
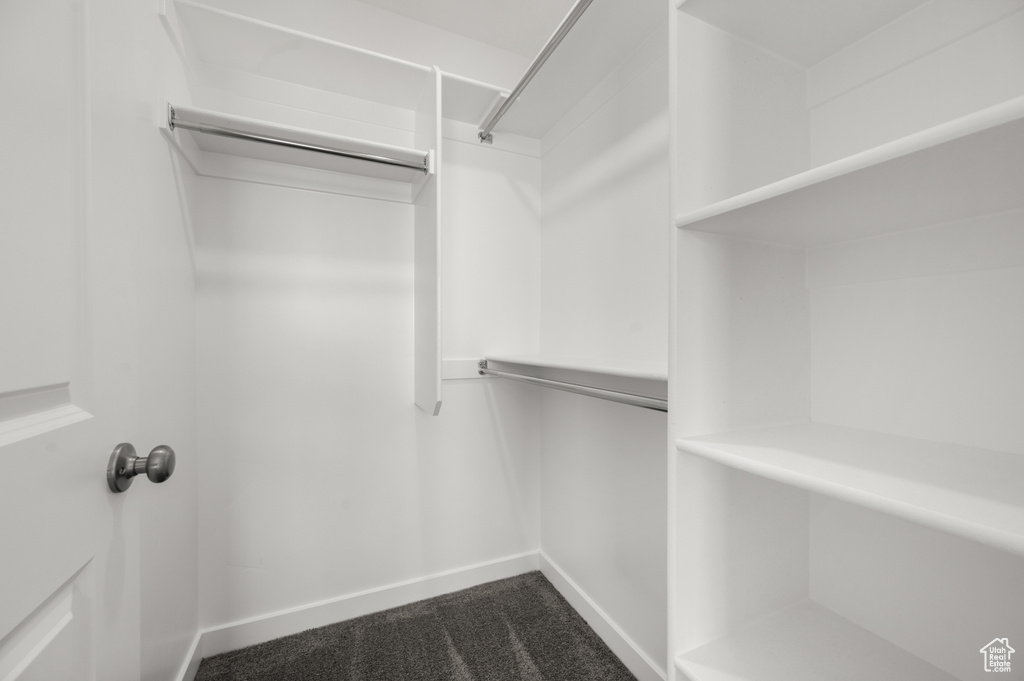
(652, 371)
(647, 381)
(233, 41)
(467, 100)
(966, 167)
(281, 151)
(804, 642)
(228, 40)
(969, 492)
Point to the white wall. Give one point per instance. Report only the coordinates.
(606, 211)
(491, 251)
(169, 561)
(603, 511)
(928, 592)
(943, 60)
(947, 366)
(604, 295)
(321, 477)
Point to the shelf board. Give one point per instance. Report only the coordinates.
(467, 100)
(241, 43)
(973, 493)
(652, 371)
(649, 379)
(805, 642)
(966, 167)
(298, 157)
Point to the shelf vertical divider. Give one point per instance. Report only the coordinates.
(427, 221)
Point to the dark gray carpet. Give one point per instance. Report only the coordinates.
(516, 629)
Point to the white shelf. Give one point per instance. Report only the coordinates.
(969, 166)
(467, 100)
(652, 371)
(973, 493)
(237, 42)
(648, 379)
(805, 642)
(293, 156)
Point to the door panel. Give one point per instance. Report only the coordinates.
(51, 644)
(69, 602)
(42, 137)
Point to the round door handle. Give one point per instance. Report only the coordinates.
(125, 464)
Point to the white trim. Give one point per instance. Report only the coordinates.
(190, 665)
(292, 621)
(635, 659)
(255, 630)
(31, 425)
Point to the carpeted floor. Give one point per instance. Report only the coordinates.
(516, 629)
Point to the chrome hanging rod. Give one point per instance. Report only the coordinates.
(633, 399)
(210, 129)
(556, 38)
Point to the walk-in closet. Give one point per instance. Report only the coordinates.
(702, 318)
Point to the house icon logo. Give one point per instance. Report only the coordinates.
(997, 655)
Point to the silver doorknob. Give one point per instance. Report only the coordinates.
(125, 464)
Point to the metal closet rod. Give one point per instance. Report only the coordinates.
(633, 399)
(207, 128)
(563, 30)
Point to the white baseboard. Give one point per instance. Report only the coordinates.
(638, 662)
(190, 667)
(268, 627)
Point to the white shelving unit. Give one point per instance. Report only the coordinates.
(647, 379)
(968, 166)
(848, 285)
(278, 152)
(646, 371)
(966, 491)
(805, 642)
(215, 37)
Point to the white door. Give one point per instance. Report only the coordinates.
(69, 346)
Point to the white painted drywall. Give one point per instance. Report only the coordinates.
(322, 478)
(605, 247)
(604, 295)
(603, 511)
(928, 346)
(491, 251)
(944, 60)
(934, 595)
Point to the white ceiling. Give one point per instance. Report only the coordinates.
(520, 26)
